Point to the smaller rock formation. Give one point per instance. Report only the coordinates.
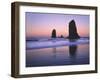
(61, 36)
(53, 35)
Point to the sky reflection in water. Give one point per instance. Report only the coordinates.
(56, 56)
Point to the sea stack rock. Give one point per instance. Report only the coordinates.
(53, 33)
(73, 30)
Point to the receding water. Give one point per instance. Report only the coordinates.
(56, 56)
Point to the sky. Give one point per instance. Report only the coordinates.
(40, 25)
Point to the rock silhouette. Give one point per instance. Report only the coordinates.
(53, 33)
(73, 30)
(61, 36)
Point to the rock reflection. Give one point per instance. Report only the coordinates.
(54, 51)
(73, 51)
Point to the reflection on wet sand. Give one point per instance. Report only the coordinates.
(65, 55)
(73, 50)
(54, 51)
(73, 53)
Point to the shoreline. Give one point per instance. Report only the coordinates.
(54, 43)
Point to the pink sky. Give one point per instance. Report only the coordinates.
(41, 25)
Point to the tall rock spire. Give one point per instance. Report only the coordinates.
(73, 34)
